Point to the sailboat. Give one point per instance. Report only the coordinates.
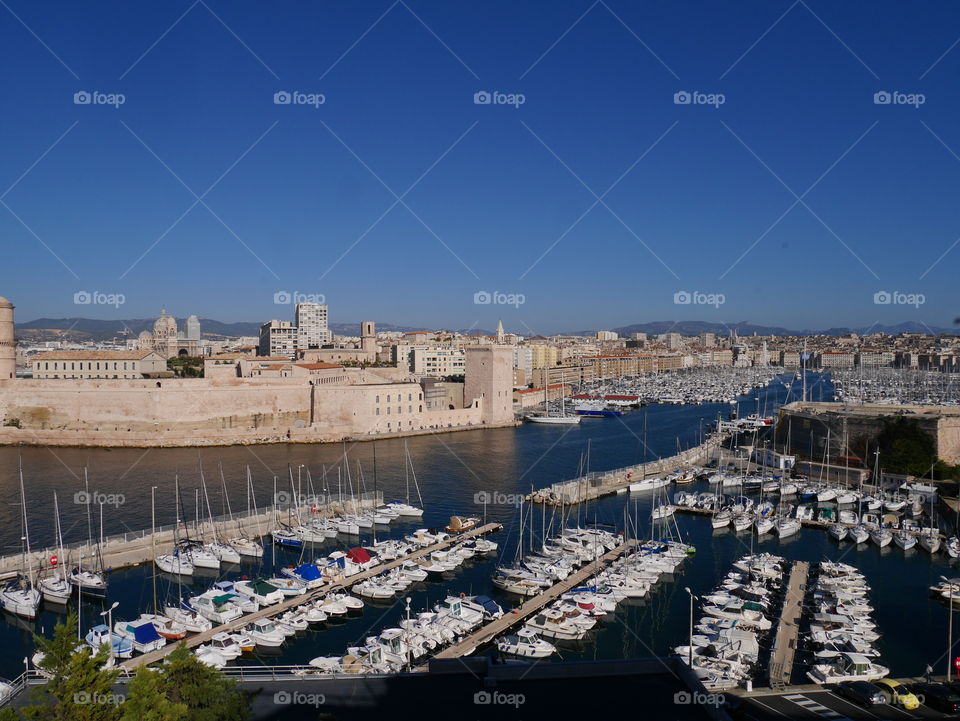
(55, 587)
(405, 509)
(90, 581)
(224, 552)
(245, 546)
(175, 563)
(19, 596)
(545, 417)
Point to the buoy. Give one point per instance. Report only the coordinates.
(53, 560)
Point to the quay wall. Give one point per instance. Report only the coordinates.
(197, 412)
(805, 426)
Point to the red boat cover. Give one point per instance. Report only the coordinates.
(358, 555)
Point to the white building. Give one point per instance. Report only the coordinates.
(606, 335)
(312, 329)
(278, 338)
(98, 364)
(193, 328)
(437, 361)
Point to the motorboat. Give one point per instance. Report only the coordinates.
(525, 643)
(265, 593)
(166, 627)
(265, 633)
(218, 607)
(100, 635)
(142, 634)
(787, 527)
(847, 667)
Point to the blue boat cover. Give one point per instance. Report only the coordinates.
(488, 604)
(341, 562)
(308, 572)
(145, 633)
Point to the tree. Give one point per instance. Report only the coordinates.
(207, 694)
(147, 699)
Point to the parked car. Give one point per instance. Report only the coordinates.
(897, 694)
(861, 692)
(937, 696)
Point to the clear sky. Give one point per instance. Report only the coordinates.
(783, 193)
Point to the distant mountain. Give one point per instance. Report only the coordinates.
(746, 328)
(90, 329)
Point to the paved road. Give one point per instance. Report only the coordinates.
(826, 706)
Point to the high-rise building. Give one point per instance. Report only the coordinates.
(544, 356)
(708, 340)
(278, 338)
(673, 340)
(606, 335)
(193, 328)
(311, 322)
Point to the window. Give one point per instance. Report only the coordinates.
(399, 409)
(409, 409)
(409, 396)
(388, 412)
(388, 399)
(421, 409)
(378, 411)
(378, 399)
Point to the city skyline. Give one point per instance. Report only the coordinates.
(791, 164)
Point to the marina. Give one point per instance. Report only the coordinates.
(901, 580)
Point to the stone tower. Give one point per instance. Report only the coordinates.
(488, 376)
(8, 344)
(368, 337)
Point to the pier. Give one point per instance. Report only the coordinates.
(785, 642)
(489, 632)
(136, 547)
(605, 483)
(308, 597)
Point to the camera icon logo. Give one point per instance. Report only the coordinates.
(81, 697)
(882, 297)
(282, 297)
(481, 497)
(82, 498)
(482, 297)
(882, 98)
(282, 498)
(81, 97)
(682, 97)
(682, 297)
(682, 698)
(282, 698)
(482, 97)
(482, 698)
(282, 97)
(82, 297)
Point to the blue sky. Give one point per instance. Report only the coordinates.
(594, 202)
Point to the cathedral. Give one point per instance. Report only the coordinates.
(167, 340)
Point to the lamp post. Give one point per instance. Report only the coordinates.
(690, 647)
(109, 614)
(950, 639)
(407, 634)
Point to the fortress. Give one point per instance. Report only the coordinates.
(241, 401)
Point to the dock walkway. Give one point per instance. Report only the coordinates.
(308, 597)
(785, 642)
(510, 619)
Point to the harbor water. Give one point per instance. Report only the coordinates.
(453, 471)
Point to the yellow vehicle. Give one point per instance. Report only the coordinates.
(897, 693)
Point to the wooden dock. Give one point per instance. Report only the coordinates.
(510, 619)
(308, 597)
(785, 642)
